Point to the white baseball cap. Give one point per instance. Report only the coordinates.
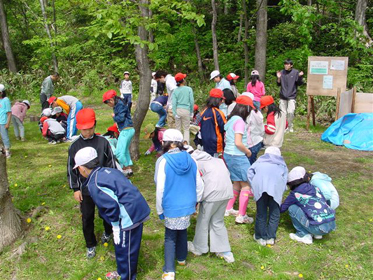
(27, 102)
(47, 112)
(2, 87)
(214, 74)
(56, 110)
(84, 156)
(248, 94)
(273, 150)
(153, 73)
(172, 135)
(296, 173)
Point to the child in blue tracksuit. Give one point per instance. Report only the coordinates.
(179, 188)
(308, 209)
(120, 204)
(122, 116)
(268, 192)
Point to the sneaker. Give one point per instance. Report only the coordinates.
(168, 276)
(231, 212)
(307, 239)
(317, 237)
(260, 241)
(91, 252)
(7, 154)
(291, 129)
(105, 238)
(23, 139)
(182, 263)
(112, 275)
(52, 142)
(227, 256)
(270, 241)
(18, 138)
(193, 249)
(130, 172)
(244, 219)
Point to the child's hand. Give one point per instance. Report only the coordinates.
(113, 115)
(161, 217)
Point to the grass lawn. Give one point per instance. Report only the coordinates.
(37, 177)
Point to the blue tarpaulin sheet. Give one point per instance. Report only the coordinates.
(354, 131)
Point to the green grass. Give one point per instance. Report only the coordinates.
(37, 176)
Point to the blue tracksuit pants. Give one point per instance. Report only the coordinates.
(71, 120)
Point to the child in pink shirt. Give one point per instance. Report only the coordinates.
(19, 110)
(256, 87)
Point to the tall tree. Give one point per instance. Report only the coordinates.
(10, 222)
(261, 38)
(6, 40)
(145, 73)
(214, 38)
(360, 11)
(47, 30)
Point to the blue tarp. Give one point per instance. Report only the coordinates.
(355, 131)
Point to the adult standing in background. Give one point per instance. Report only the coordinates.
(182, 105)
(47, 89)
(220, 81)
(170, 82)
(289, 79)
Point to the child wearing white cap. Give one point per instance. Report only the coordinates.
(308, 209)
(256, 86)
(268, 192)
(120, 204)
(179, 188)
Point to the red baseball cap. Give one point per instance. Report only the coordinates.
(43, 119)
(113, 128)
(195, 107)
(109, 94)
(217, 93)
(85, 118)
(266, 100)
(232, 76)
(52, 99)
(245, 100)
(180, 76)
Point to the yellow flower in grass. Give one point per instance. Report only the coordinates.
(47, 229)
(16, 185)
(269, 245)
(106, 244)
(346, 266)
(262, 267)
(300, 275)
(43, 203)
(50, 165)
(102, 259)
(59, 236)
(25, 156)
(99, 278)
(28, 220)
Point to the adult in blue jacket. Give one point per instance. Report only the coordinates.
(308, 209)
(121, 204)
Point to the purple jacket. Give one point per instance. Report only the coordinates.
(19, 110)
(310, 199)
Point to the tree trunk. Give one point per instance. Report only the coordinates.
(198, 53)
(261, 38)
(240, 29)
(214, 39)
(6, 40)
(309, 2)
(143, 101)
(246, 48)
(47, 29)
(361, 8)
(10, 222)
(151, 35)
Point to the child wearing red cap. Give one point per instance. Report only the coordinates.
(236, 156)
(212, 124)
(182, 105)
(112, 135)
(256, 87)
(276, 122)
(194, 123)
(122, 116)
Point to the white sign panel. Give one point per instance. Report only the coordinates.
(327, 82)
(319, 67)
(337, 65)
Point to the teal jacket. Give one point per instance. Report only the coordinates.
(182, 97)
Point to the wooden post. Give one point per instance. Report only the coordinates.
(338, 103)
(353, 100)
(313, 111)
(308, 111)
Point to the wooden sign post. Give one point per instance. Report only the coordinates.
(326, 77)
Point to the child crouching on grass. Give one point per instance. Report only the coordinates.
(308, 209)
(120, 204)
(179, 188)
(267, 177)
(210, 222)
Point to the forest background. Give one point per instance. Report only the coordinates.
(91, 43)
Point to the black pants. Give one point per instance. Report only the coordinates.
(44, 101)
(54, 137)
(87, 207)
